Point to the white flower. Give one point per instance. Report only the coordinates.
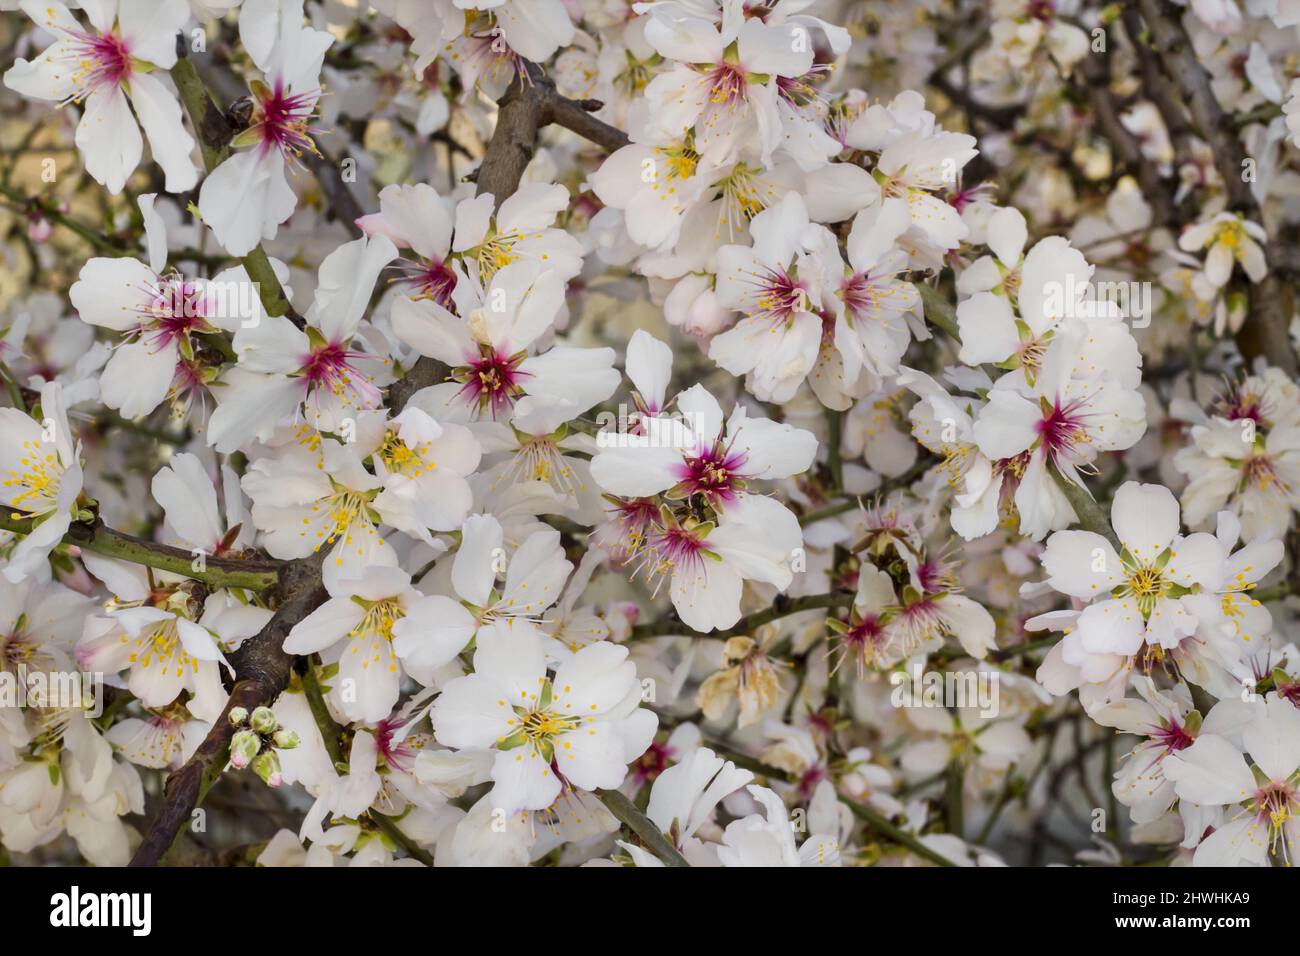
(1023, 28)
(1291, 108)
(699, 455)
(1262, 804)
(108, 68)
(488, 346)
(73, 783)
(767, 838)
(781, 283)
(1230, 238)
(913, 167)
(347, 795)
(535, 575)
(522, 230)
(534, 29)
(655, 185)
(753, 537)
(871, 333)
(1049, 287)
(579, 728)
(283, 368)
(417, 218)
(1170, 725)
(245, 199)
(40, 621)
(1061, 420)
(309, 498)
(985, 745)
(684, 797)
(1226, 605)
(161, 647)
(157, 741)
(189, 502)
(423, 466)
(944, 424)
(40, 476)
(1251, 469)
(371, 625)
(160, 314)
(1221, 16)
(1138, 597)
(723, 83)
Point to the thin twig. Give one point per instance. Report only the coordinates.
(626, 813)
(255, 574)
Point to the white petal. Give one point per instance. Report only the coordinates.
(109, 138)
(1146, 519)
(481, 555)
(160, 115)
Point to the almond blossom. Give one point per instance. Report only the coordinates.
(108, 68)
(945, 518)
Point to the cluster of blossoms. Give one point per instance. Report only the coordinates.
(613, 433)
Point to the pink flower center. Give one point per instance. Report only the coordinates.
(1290, 692)
(652, 763)
(677, 550)
(864, 637)
(399, 754)
(1239, 403)
(863, 295)
(965, 197)
(102, 60)
(1260, 472)
(329, 368)
(432, 280)
(632, 521)
(780, 296)
(727, 84)
(283, 119)
(1041, 9)
(178, 307)
(1275, 806)
(1061, 429)
(492, 382)
(934, 576)
(1173, 737)
(714, 474)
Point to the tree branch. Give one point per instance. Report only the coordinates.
(388, 826)
(626, 813)
(262, 668)
(1266, 329)
(255, 574)
(523, 110)
(1095, 71)
(46, 209)
(1091, 516)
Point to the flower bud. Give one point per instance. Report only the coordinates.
(238, 715)
(285, 739)
(263, 721)
(267, 766)
(244, 746)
